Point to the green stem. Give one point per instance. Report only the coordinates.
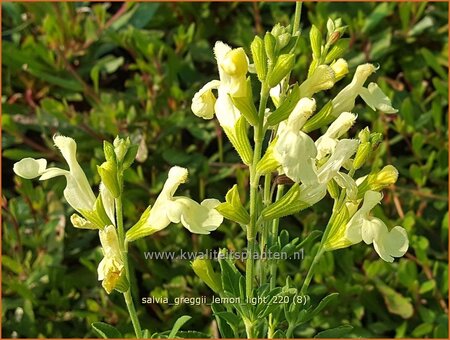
(274, 238)
(254, 182)
(310, 273)
(297, 15)
(124, 249)
(264, 241)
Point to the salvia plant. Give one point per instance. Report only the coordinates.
(288, 172)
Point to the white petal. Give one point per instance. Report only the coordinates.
(372, 228)
(313, 193)
(371, 199)
(345, 100)
(376, 99)
(204, 100)
(341, 125)
(345, 148)
(295, 152)
(345, 181)
(108, 202)
(302, 111)
(53, 172)
(177, 175)
(198, 219)
(80, 187)
(325, 146)
(226, 112)
(30, 168)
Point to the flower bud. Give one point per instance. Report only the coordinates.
(121, 146)
(387, 176)
(270, 46)
(334, 37)
(235, 62)
(322, 78)
(362, 154)
(315, 37)
(322, 118)
(285, 63)
(108, 150)
(108, 174)
(204, 270)
(364, 135)
(340, 68)
(259, 57)
(283, 40)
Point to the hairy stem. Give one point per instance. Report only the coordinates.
(124, 249)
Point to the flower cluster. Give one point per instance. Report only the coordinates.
(317, 166)
(99, 212)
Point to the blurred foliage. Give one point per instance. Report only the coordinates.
(95, 70)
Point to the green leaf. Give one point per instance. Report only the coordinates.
(178, 324)
(338, 332)
(106, 331)
(427, 286)
(395, 302)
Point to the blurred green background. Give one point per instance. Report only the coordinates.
(92, 71)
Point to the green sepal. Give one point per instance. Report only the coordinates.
(286, 107)
(108, 150)
(336, 236)
(232, 208)
(204, 270)
(259, 57)
(315, 37)
(239, 139)
(270, 45)
(98, 216)
(322, 118)
(108, 174)
(141, 228)
(362, 154)
(268, 163)
(288, 204)
(312, 67)
(246, 106)
(285, 63)
(333, 189)
(122, 284)
(130, 156)
(338, 50)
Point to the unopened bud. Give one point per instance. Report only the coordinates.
(235, 62)
(259, 57)
(108, 174)
(270, 45)
(387, 176)
(285, 63)
(315, 36)
(362, 154)
(204, 270)
(340, 68)
(364, 135)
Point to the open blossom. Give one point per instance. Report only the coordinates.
(363, 227)
(233, 67)
(197, 218)
(294, 149)
(78, 193)
(327, 142)
(373, 96)
(111, 266)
